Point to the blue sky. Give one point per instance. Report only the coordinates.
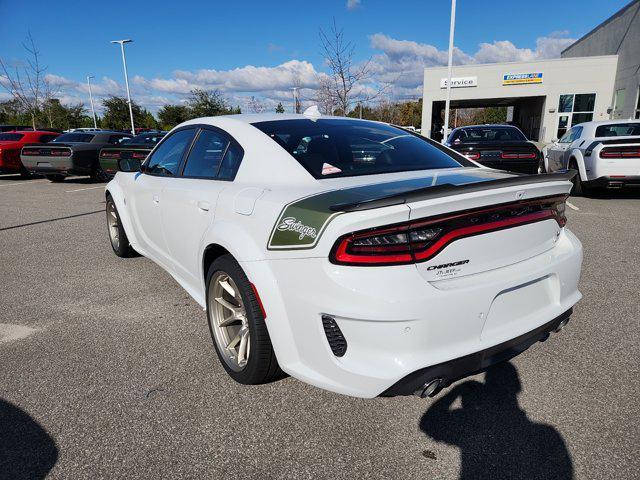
(256, 48)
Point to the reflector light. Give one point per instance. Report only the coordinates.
(421, 240)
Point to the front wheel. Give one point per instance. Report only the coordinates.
(237, 325)
(117, 235)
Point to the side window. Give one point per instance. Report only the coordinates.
(167, 157)
(566, 138)
(206, 155)
(231, 162)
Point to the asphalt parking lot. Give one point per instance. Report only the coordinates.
(107, 370)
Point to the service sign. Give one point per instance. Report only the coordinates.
(460, 82)
(521, 78)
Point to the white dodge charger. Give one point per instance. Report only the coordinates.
(353, 255)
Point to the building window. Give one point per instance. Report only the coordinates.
(574, 109)
(618, 103)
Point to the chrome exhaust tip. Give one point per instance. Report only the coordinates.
(561, 325)
(428, 389)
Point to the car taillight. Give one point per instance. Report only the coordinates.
(30, 152)
(472, 155)
(138, 155)
(109, 154)
(632, 152)
(513, 155)
(421, 240)
(60, 153)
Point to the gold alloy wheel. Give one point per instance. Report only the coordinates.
(228, 319)
(113, 224)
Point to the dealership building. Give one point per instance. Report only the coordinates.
(596, 78)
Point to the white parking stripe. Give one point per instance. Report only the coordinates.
(81, 189)
(571, 205)
(13, 184)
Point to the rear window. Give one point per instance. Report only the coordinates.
(73, 138)
(487, 134)
(146, 139)
(10, 137)
(330, 148)
(618, 130)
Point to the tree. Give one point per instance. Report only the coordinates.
(255, 105)
(207, 103)
(279, 108)
(172, 115)
(344, 76)
(28, 84)
(116, 114)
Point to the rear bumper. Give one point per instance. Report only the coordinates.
(53, 165)
(453, 370)
(525, 166)
(615, 181)
(396, 323)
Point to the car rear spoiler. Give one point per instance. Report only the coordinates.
(445, 190)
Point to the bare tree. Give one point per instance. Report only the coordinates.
(324, 97)
(345, 79)
(255, 105)
(27, 83)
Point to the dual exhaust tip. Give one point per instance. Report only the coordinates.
(433, 387)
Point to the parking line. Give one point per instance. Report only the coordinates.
(572, 206)
(20, 183)
(81, 189)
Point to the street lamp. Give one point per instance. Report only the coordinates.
(126, 80)
(93, 112)
(450, 66)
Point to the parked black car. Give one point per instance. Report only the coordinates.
(136, 148)
(503, 147)
(74, 153)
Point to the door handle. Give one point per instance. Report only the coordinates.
(204, 206)
(156, 199)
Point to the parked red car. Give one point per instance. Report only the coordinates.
(12, 142)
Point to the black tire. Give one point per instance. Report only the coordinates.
(99, 175)
(579, 188)
(262, 365)
(55, 178)
(26, 174)
(121, 247)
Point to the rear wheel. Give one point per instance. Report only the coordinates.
(237, 325)
(99, 175)
(579, 188)
(24, 173)
(117, 235)
(56, 178)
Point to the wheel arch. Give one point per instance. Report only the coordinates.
(576, 156)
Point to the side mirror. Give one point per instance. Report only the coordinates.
(130, 165)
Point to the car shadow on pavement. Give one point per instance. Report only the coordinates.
(495, 437)
(27, 451)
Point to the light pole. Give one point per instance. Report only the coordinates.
(93, 112)
(450, 65)
(126, 80)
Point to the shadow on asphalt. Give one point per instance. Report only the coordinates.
(27, 451)
(494, 435)
(604, 194)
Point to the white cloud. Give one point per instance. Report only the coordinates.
(396, 62)
(352, 4)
